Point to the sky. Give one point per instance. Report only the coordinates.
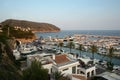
(65, 14)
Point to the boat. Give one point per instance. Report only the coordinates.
(16, 53)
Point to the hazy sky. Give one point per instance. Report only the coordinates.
(66, 14)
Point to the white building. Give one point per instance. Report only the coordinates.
(63, 63)
(86, 67)
(45, 61)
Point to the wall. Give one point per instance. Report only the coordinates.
(48, 66)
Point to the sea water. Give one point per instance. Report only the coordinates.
(64, 33)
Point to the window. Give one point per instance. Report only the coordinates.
(78, 71)
(82, 72)
(74, 69)
(92, 72)
(88, 74)
(65, 69)
(51, 70)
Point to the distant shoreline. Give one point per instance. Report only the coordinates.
(29, 40)
(45, 31)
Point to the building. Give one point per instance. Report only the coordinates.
(64, 64)
(68, 64)
(86, 67)
(45, 60)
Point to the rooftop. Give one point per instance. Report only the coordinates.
(62, 58)
(80, 77)
(43, 60)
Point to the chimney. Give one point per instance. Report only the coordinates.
(53, 56)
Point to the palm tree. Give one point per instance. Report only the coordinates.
(71, 45)
(35, 72)
(111, 51)
(103, 55)
(93, 49)
(57, 75)
(61, 45)
(110, 54)
(80, 48)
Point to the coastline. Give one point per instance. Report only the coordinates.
(31, 39)
(45, 31)
(23, 40)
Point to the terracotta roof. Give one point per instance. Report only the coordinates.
(62, 58)
(79, 77)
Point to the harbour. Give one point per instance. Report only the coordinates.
(101, 34)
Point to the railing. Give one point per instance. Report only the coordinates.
(86, 66)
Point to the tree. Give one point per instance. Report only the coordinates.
(10, 31)
(57, 75)
(110, 55)
(111, 51)
(61, 44)
(35, 72)
(93, 49)
(1, 51)
(71, 45)
(8, 68)
(80, 48)
(103, 55)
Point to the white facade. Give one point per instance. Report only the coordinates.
(46, 63)
(67, 68)
(89, 72)
(49, 67)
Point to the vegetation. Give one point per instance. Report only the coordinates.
(110, 66)
(35, 26)
(70, 45)
(3, 38)
(12, 32)
(110, 55)
(93, 50)
(9, 67)
(35, 72)
(80, 48)
(57, 75)
(61, 45)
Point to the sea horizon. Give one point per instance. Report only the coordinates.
(64, 33)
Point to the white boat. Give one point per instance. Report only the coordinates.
(16, 53)
(96, 61)
(29, 50)
(116, 67)
(25, 51)
(60, 51)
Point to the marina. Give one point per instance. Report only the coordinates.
(99, 36)
(55, 54)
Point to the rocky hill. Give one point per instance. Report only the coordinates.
(34, 26)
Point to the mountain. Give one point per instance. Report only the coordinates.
(34, 26)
